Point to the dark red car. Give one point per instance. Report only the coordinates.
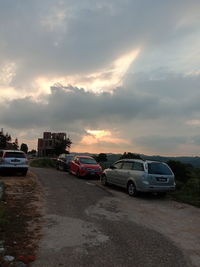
(85, 166)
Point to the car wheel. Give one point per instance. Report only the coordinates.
(131, 188)
(23, 173)
(104, 180)
(161, 194)
(78, 174)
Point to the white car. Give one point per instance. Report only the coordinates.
(140, 176)
(14, 160)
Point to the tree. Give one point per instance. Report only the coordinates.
(62, 146)
(102, 157)
(129, 155)
(15, 144)
(4, 139)
(32, 152)
(181, 170)
(24, 148)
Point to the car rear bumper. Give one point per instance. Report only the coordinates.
(154, 188)
(13, 168)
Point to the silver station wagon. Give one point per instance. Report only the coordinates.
(140, 176)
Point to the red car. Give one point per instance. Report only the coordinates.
(84, 166)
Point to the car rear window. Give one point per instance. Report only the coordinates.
(158, 168)
(87, 161)
(14, 155)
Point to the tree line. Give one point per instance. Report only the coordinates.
(7, 143)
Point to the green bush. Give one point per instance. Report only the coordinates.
(189, 192)
(43, 163)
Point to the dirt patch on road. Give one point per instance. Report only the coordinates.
(20, 217)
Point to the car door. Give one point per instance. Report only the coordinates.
(138, 173)
(73, 165)
(113, 172)
(124, 173)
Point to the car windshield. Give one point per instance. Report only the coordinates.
(14, 155)
(87, 161)
(158, 168)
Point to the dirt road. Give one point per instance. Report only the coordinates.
(89, 225)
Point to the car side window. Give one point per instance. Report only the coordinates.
(1, 154)
(138, 166)
(127, 166)
(118, 165)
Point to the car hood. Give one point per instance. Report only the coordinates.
(91, 166)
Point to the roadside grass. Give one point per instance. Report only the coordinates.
(12, 226)
(188, 192)
(43, 163)
(4, 220)
(19, 217)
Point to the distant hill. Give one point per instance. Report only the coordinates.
(194, 161)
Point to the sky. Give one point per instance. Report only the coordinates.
(115, 75)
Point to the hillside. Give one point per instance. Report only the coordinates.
(194, 161)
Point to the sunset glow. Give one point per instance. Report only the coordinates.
(96, 136)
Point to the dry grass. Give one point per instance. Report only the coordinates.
(20, 216)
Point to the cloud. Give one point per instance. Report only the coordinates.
(163, 144)
(59, 38)
(133, 67)
(127, 110)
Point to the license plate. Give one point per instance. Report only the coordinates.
(92, 173)
(162, 179)
(15, 160)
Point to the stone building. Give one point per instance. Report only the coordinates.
(47, 143)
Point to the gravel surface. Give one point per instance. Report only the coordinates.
(87, 225)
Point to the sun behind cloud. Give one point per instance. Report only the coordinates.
(96, 136)
(105, 80)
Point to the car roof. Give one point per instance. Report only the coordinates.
(141, 160)
(85, 157)
(138, 160)
(12, 151)
(154, 161)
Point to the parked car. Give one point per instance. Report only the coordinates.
(140, 176)
(82, 166)
(63, 162)
(13, 160)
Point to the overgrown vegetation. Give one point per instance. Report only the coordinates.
(17, 213)
(188, 183)
(43, 163)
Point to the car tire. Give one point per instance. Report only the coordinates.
(161, 194)
(131, 189)
(78, 174)
(23, 173)
(104, 180)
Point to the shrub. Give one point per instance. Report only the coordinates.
(43, 163)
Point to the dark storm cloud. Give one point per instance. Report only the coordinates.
(56, 38)
(161, 143)
(73, 106)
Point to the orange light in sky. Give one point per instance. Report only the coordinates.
(96, 136)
